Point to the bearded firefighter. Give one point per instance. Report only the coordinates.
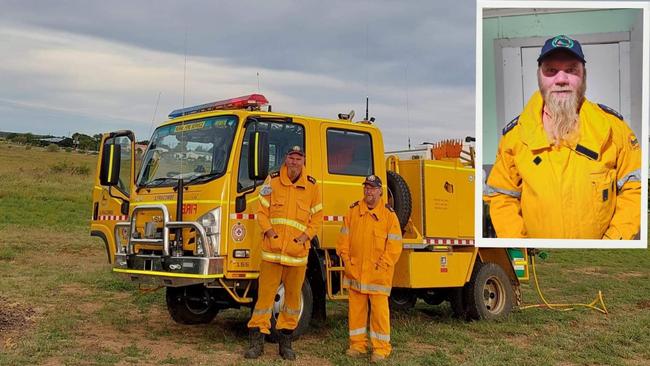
(566, 167)
(290, 215)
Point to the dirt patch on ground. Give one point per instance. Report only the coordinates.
(643, 304)
(593, 271)
(180, 346)
(14, 315)
(15, 319)
(626, 275)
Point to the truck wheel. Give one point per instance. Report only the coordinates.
(399, 197)
(190, 304)
(306, 308)
(401, 299)
(490, 294)
(434, 297)
(458, 303)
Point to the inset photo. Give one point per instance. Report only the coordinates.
(562, 124)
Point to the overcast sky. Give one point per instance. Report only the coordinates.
(91, 66)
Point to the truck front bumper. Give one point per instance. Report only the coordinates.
(169, 271)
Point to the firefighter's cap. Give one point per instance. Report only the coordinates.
(561, 42)
(296, 150)
(373, 181)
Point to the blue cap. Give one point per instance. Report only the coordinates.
(561, 42)
(373, 181)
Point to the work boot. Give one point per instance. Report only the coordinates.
(377, 358)
(285, 345)
(256, 346)
(353, 352)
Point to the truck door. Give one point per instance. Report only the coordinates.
(347, 158)
(244, 231)
(111, 201)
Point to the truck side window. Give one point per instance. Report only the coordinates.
(349, 152)
(124, 183)
(282, 136)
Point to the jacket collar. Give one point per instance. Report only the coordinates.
(363, 208)
(285, 180)
(594, 127)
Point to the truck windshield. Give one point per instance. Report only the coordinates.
(196, 151)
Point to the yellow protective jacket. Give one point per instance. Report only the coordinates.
(370, 244)
(588, 191)
(291, 209)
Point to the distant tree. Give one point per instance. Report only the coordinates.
(85, 142)
(66, 142)
(21, 138)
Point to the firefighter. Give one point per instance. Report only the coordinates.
(566, 167)
(290, 215)
(369, 244)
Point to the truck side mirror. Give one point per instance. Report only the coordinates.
(258, 155)
(109, 173)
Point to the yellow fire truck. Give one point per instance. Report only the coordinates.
(185, 219)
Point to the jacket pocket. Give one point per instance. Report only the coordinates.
(302, 212)
(603, 198)
(277, 209)
(273, 245)
(378, 244)
(297, 250)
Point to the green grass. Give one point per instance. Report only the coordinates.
(85, 315)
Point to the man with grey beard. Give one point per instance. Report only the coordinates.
(566, 168)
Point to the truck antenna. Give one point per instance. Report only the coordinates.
(366, 108)
(185, 65)
(408, 113)
(155, 111)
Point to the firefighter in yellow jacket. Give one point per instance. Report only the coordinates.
(290, 215)
(370, 244)
(566, 167)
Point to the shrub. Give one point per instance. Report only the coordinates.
(52, 148)
(69, 168)
(28, 147)
(68, 149)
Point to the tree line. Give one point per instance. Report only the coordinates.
(77, 140)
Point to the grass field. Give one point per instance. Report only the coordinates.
(60, 304)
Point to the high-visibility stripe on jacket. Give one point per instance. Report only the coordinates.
(590, 190)
(291, 209)
(370, 243)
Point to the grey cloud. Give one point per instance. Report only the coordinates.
(376, 40)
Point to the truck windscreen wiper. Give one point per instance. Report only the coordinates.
(157, 182)
(201, 178)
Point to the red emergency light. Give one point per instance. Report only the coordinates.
(252, 102)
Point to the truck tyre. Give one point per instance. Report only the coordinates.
(459, 297)
(402, 299)
(190, 304)
(399, 197)
(306, 309)
(434, 297)
(490, 294)
(458, 303)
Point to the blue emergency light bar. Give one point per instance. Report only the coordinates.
(253, 101)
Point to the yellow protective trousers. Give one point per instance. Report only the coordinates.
(379, 322)
(271, 274)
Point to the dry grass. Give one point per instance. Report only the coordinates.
(60, 303)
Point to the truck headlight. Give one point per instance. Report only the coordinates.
(211, 222)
